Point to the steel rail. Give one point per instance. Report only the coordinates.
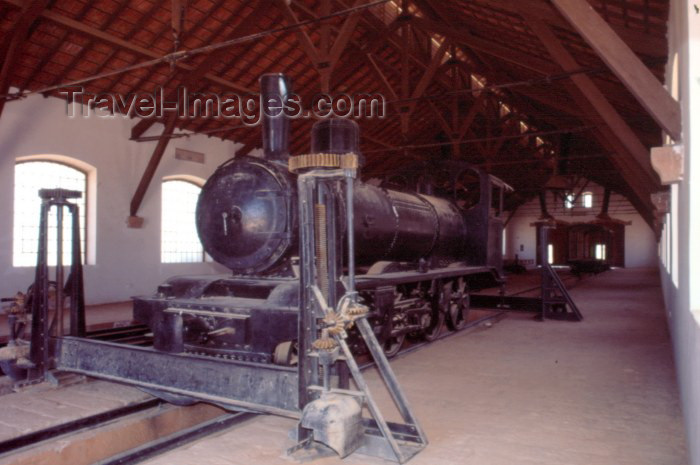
(177, 439)
(74, 426)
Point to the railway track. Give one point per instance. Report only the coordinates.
(52, 433)
(35, 446)
(178, 439)
(139, 335)
(149, 449)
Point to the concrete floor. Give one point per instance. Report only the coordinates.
(44, 406)
(602, 391)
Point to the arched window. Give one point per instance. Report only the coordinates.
(30, 176)
(179, 240)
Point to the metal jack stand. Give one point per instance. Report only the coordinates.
(333, 416)
(555, 297)
(39, 354)
(554, 302)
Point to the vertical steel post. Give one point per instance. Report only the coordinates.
(39, 349)
(307, 368)
(77, 301)
(546, 284)
(349, 208)
(58, 312)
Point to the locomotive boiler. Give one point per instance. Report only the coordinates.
(419, 255)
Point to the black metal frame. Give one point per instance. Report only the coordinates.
(554, 302)
(40, 351)
(392, 441)
(233, 384)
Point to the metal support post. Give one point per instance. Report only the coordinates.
(39, 355)
(555, 297)
(323, 323)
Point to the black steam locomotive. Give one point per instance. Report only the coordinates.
(418, 255)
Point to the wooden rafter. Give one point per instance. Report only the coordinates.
(624, 63)
(302, 36)
(595, 97)
(134, 29)
(509, 55)
(81, 54)
(455, 129)
(147, 76)
(405, 77)
(428, 74)
(486, 38)
(524, 61)
(12, 46)
(124, 44)
(469, 118)
(325, 56)
(343, 38)
(202, 69)
(153, 163)
(50, 55)
(631, 171)
(639, 41)
(382, 78)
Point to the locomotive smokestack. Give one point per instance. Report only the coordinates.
(274, 91)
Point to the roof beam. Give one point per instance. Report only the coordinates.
(382, 78)
(343, 37)
(48, 56)
(77, 58)
(633, 161)
(195, 75)
(325, 57)
(406, 44)
(593, 95)
(126, 45)
(376, 141)
(10, 50)
(469, 118)
(639, 41)
(151, 167)
(428, 74)
(246, 149)
(303, 38)
(624, 63)
(531, 62)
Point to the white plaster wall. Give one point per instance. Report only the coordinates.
(127, 261)
(640, 242)
(520, 233)
(683, 299)
(641, 248)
